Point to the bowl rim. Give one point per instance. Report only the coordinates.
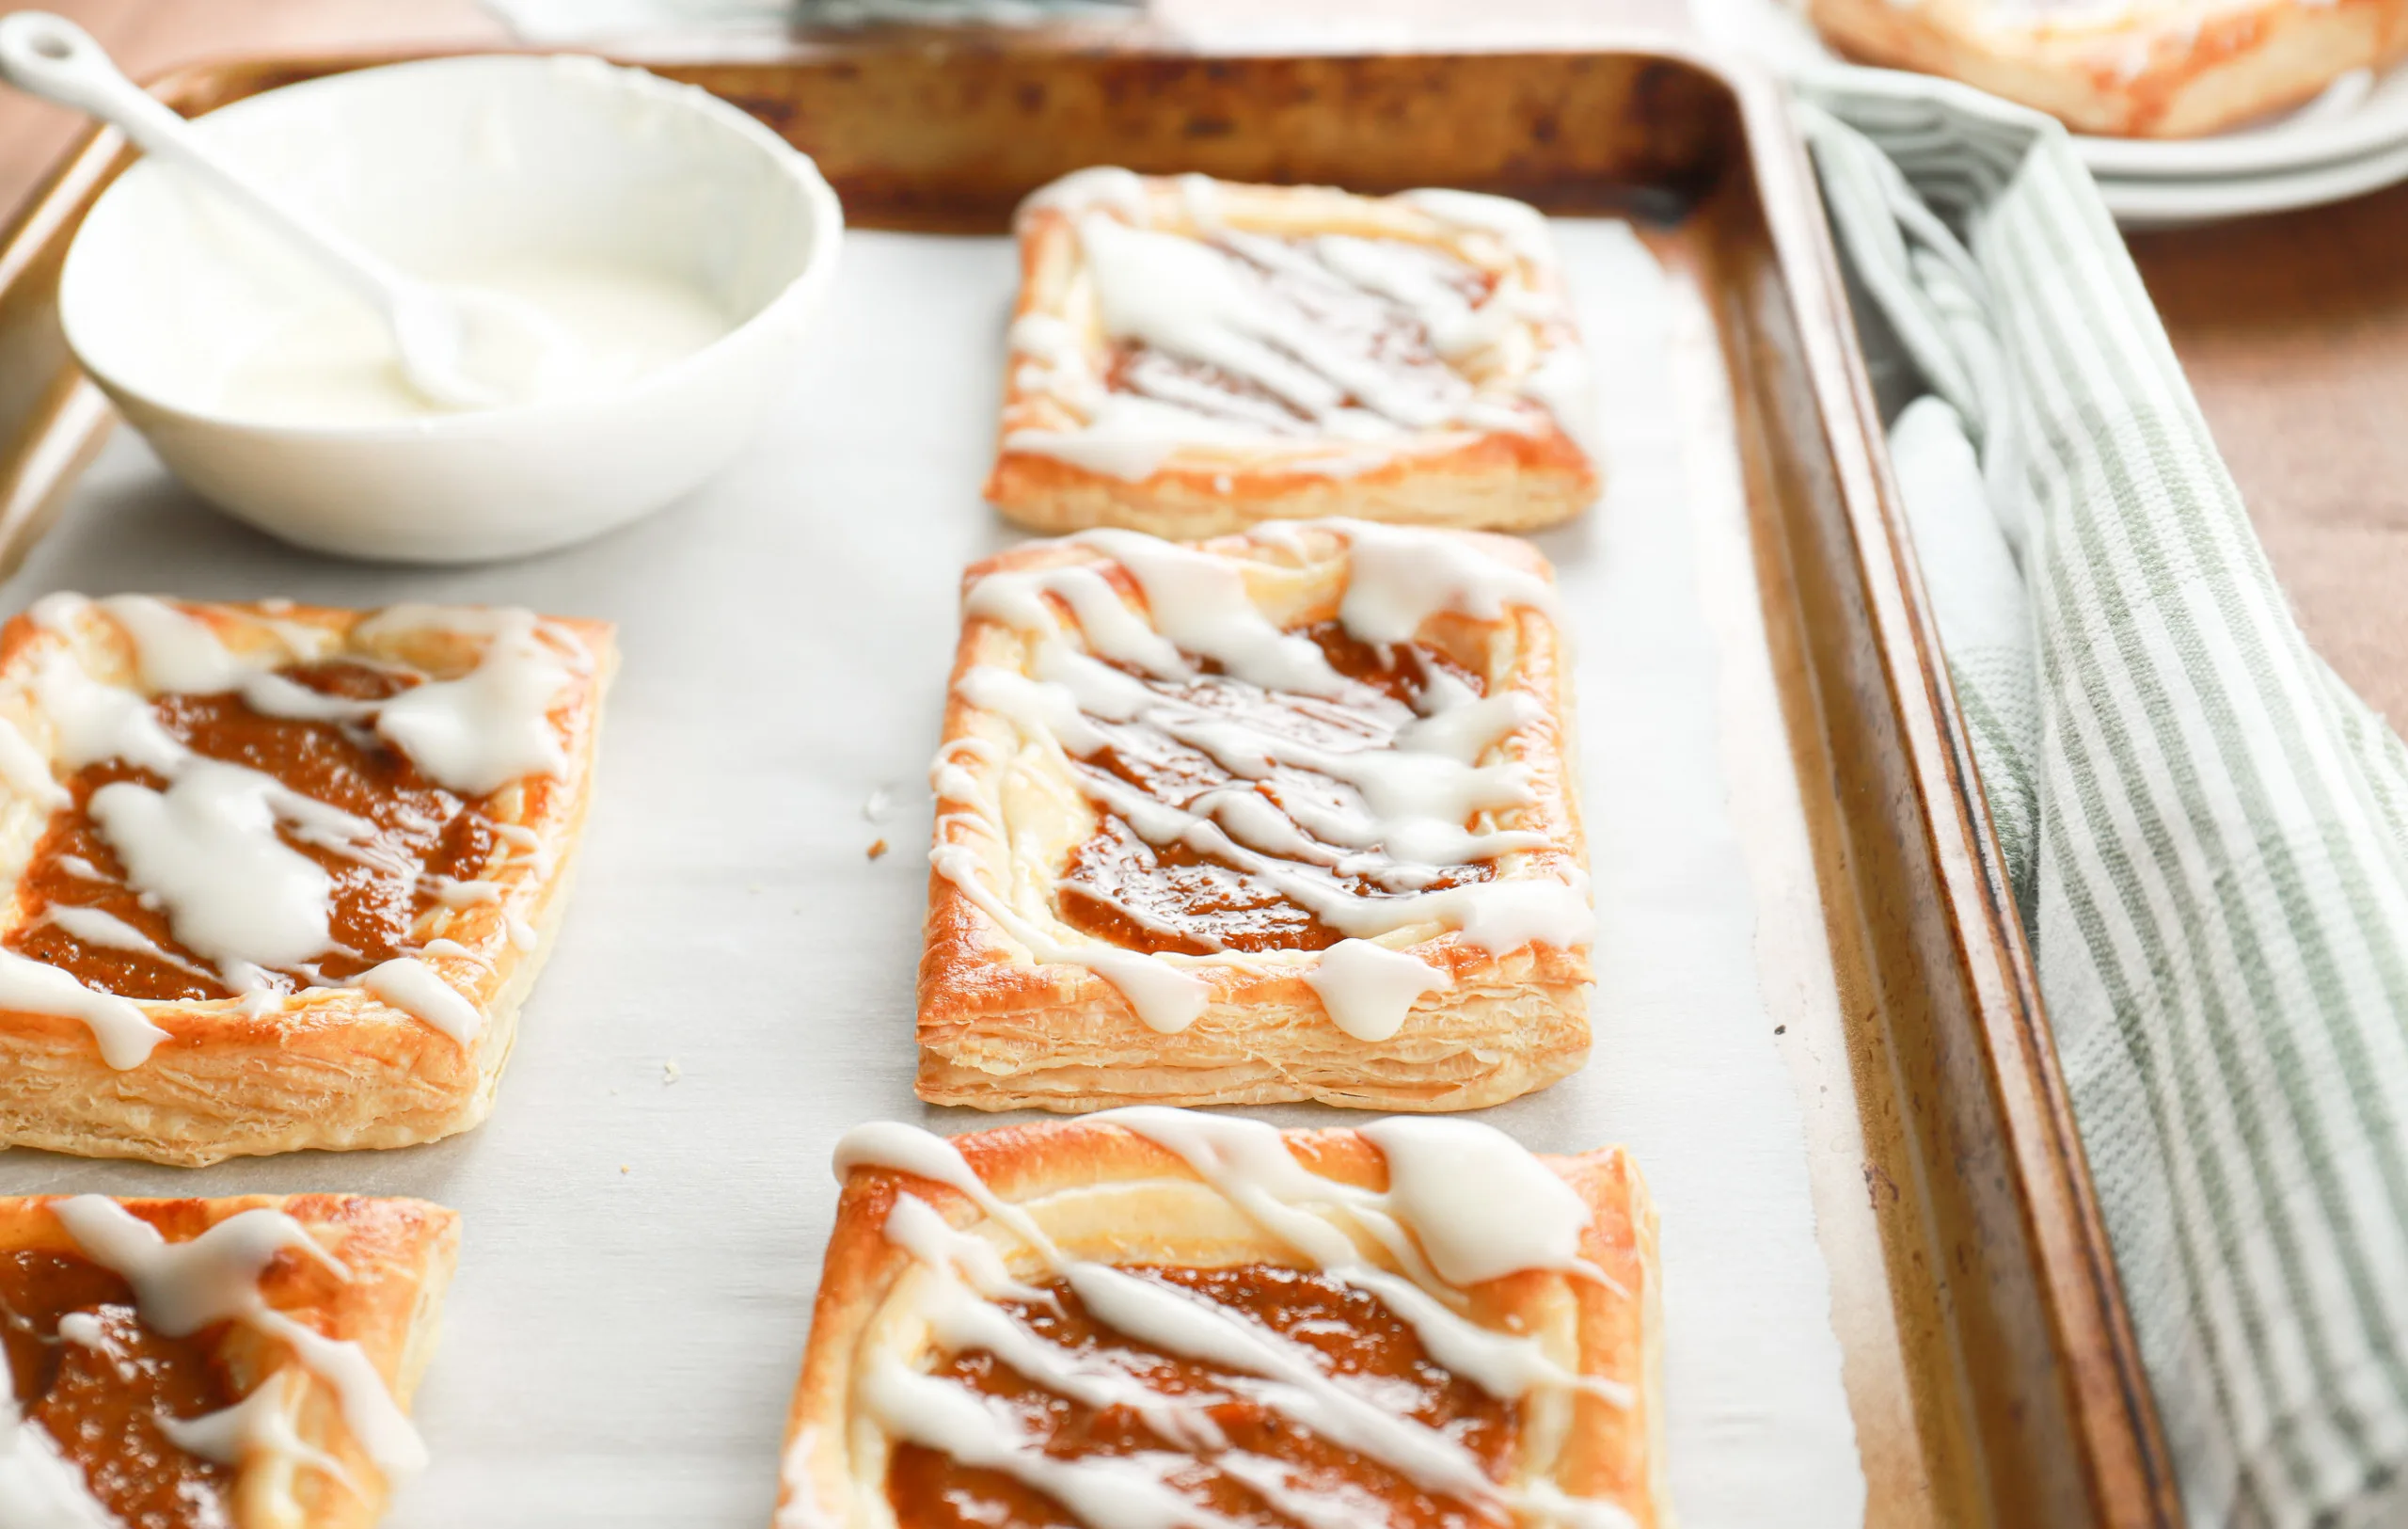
(800, 292)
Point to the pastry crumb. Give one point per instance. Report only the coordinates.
(623, 1168)
(876, 849)
(668, 1073)
(876, 805)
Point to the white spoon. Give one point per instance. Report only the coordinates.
(52, 58)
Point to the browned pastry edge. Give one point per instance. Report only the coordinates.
(1496, 480)
(398, 1255)
(1000, 1031)
(1611, 1451)
(336, 1068)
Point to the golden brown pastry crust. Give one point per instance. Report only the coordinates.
(335, 1068)
(1111, 1196)
(1496, 479)
(999, 1030)
(399, 1255)
(2153, 70)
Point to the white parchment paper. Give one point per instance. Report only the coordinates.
(645, 1213)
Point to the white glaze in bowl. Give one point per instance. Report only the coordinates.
(449, 165)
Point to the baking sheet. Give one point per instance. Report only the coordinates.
(733, 987)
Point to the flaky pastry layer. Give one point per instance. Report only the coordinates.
(1001, 1029)
(397, 1256)
(1490, 477)
(332, 1068)
(1104, 1194)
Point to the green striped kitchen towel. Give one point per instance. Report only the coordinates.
(2206, 831)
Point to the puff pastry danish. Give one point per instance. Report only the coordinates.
(279, 876)
(1189, 356)
(1156, 1318)
(196, 1363)
(2156, 69)
(1284, 815)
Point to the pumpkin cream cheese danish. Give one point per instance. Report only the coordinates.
(280, 876)
(240, 1364)
(1152, 1318)
(1284, 815)
(2154, 69)
(1189, 356)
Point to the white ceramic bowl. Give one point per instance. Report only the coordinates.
(444, 164)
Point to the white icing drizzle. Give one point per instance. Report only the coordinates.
(125, 1036)
(1164, 996)
(413, 987)
(907, 1149)
(85, 1331)
(1480, 1206)
(98, 926)
(1369, 989)
(492, 726)
(1415, 796)
(1199, 604)
(962, 1318)
(1564, 382)
(207, 851)
(1110, 1492)
(800, 1509)
(1405, 273)
(41, 1487)
(57, 612)
(1400, 576)
(173, 652)
(210, 849)
(369, 1411)
(25, 771)
(920, 1229)
(181, 1287)
(1098, 186)
(1294, 1387)
(1199, 198)
(474, 735)
(529, 843)
(1248, 1162)
(961, 1274)
(1184, 297)
(456, 894)
(1295, 319)
(259, 1424)
(97, 722)
(1518, 225)
(442, 947)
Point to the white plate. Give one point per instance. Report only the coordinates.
(2164, 204)
(2323, 151)
(2358, 116)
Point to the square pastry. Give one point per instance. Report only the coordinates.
(1189, 356)
(1283, 815)
(280, 876)
(240, 1364)
(1156, 1318)
(2155, 69)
